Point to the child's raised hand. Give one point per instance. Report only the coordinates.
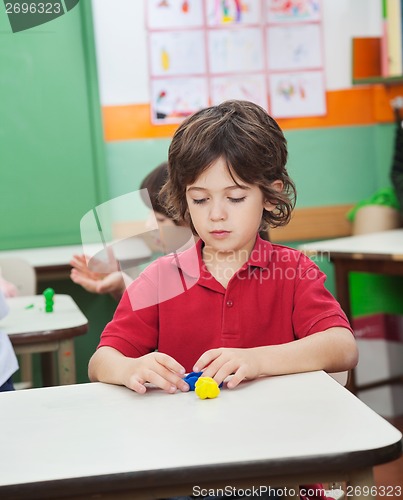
(158, 369)
(111, 283)
(222, 362)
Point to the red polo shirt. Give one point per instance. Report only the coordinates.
(177, 306)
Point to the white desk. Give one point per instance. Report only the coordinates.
(53, 262)
(379, 253)
(31, 330)
(385, 245)
(96, 439)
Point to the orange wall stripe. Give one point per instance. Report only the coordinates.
(132, 122)
(361, 105)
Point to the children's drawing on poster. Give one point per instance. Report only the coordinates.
(174, 99)
(177, 53)
(202, 52)
(166, 14)
(297, 94)
(294, 47)
(235, 51)
(246, 88)
(289, 11)
(228, 12)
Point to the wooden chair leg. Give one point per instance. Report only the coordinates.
(25, 361)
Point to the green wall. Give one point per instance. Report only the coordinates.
(52, 153)
(52, 156)
(384, 138)
(128, 162)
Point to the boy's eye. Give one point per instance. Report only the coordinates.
(232, 200)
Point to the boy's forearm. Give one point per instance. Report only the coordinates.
(107, 365)
(333, 350)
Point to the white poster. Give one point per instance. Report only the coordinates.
(291, 11)
(235, 50)
(174, 99)
(294, 47)
(229, 12)
(168, 14)
(246, 88)
(297, 94)
(177, 53)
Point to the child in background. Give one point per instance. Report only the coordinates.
(253, 309)
(113, 283)
(8, 289)
(8, 360)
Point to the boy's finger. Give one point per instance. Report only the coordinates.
(173, 378)
(170, 363)
(205, 359)
(236, 379)
(213, 368)
(161, 382)
(224, 371)
(136, 386)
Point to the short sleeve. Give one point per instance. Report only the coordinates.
(133, 330)
(315, 309)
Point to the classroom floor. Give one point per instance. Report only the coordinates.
(391, 474)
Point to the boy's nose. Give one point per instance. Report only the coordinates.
(217, 212)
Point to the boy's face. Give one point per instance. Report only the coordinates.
(225, 216)
(157, 237)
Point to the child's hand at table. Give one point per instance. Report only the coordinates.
(112, 367)
(222, 362)
(158, 369)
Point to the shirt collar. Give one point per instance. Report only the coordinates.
(190, 261)
(261, 253)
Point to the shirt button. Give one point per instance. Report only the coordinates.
(229, 303)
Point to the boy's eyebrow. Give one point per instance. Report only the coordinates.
(228, 188)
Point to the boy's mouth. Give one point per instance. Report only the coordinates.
(220, 233)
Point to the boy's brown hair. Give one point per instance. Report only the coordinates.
(251, 143)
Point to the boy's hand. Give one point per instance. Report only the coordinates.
(223, 362)
(158, 369)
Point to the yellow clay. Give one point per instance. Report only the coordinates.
(207, 388)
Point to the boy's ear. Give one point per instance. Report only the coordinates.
(277, 186)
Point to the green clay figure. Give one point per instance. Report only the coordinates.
(48, 294)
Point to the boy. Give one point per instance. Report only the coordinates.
(233, 303)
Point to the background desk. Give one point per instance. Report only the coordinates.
(104, 440)
(54, 262)
(31, 330)
(380, 253)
